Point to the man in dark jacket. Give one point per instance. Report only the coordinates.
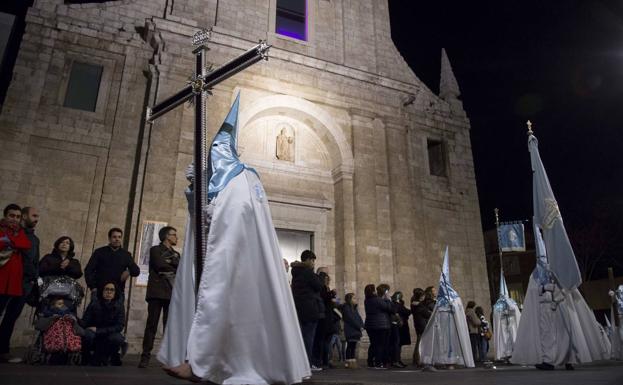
(30, 219)
(110, 263)
(378, 325)
(306, 293)
(163, 261)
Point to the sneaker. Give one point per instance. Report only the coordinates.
(569, 367)
(6, 358)
(380, 367)
(314, 368)
(429, 368)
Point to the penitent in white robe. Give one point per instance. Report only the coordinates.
(505, 324)
(446, 337)
(245, 329)
(569, 334)
(617, 340)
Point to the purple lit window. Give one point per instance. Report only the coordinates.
(291, 18)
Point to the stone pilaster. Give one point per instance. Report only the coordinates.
(364, 189)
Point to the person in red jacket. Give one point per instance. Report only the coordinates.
(13, 242)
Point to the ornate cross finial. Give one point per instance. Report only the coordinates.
(529, 124)
(202, 36)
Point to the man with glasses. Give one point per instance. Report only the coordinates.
(163, 261)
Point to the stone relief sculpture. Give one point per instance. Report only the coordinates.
(285, 145)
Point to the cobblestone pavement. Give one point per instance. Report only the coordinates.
(606, 373)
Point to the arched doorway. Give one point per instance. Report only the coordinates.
(303, 158)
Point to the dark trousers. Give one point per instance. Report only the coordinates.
(104, 346)
(154, 308)
(474, 340)
(308, 330)
(10, 309)
(483, 347)
(377, 352)
(393, 346)
(351, 348)
(319, 346)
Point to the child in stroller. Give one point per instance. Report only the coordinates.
(61, 333)
(59, 338)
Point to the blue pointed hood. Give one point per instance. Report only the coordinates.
(503, 287)
(504, 300)
(223, 159)
(541, 271)
(446, 293)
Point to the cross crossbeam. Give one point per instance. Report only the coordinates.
(205, 83)
(198, 89)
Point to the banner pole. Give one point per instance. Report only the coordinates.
(497, 227)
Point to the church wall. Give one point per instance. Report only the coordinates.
(362, 185)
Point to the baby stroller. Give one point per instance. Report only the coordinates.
(58, 338)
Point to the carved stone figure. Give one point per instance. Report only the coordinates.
(285, 146)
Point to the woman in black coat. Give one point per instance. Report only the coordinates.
(401, 329)
(378, 309)
(353, 327)
(422, 311)
(61, 261)
(103, 322)
(420, 318)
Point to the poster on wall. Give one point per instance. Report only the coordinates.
(149, 238)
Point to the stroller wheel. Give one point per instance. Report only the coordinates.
(33, 356)
(75, 359)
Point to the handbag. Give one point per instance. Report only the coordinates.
(487, 334)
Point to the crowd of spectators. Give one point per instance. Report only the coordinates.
(331, 328)
(50, 285)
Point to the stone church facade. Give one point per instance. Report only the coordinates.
(353, 149)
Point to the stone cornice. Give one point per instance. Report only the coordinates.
(221, 37)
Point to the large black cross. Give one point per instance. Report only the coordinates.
(198, 89)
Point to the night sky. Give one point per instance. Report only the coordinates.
(558, 63)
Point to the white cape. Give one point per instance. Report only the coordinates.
(505, 324)
(573, 334)
(182, 307)
(245, 329)
(616, 337)
(446, 337)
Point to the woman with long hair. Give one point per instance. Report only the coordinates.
(353, 327)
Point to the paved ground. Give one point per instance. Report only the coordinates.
(606, 373)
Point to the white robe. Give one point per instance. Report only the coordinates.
(182, 306)
(617, 338)
(568, 334)
(505, 324)
(446, 337)
(245, 328)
